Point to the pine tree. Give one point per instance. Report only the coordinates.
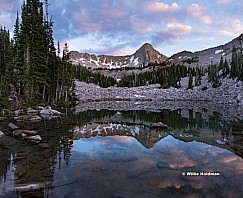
(234, 63)
(190, 80)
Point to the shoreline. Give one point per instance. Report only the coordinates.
(228, 93)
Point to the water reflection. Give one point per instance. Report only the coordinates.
(121, 167)
(116, 154)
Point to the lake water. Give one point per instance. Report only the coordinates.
(111, 153)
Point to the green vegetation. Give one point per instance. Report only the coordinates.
(83, 74)
(29, 67)
(166, 76)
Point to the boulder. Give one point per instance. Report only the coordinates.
(34, 138)
(5, 112)
(40, 107)
(19, 112)
(1, 133)
(220, 142)
(24, 133)
(28, 118)
(32, 111)
(12, 126)
(49, 111)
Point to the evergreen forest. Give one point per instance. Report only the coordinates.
(31, 70)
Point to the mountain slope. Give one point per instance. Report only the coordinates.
(206, 57)
(143, 56)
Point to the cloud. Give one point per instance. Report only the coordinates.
(5, 20)
(196, 11)
(121, 52)
(161, 7)
(232, 28)
(140, 26)
(6, 5)
(223, 1)
(114, 13)
(179, 29)
(84, 22)
(173, 33)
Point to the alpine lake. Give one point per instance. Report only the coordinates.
(111, 152)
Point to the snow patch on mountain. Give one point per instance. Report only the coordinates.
(218, 51)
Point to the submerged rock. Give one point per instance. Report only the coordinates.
(27, 134)
(159, 125)
(24, 133)
(28, 118)
(30, 186)
(2, 118)
(5, 112)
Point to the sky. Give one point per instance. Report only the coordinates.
(120, 27)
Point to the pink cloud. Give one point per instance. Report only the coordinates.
(173, 32)
(196, 11)
(140, 26)
(232, 28)
(5, 19)
(108, 12)
(223, 1)
(161, 7)
(179, 29)
(85, 23)
(121, 52)
(6, 6)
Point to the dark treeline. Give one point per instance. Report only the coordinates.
(83, 74)
(166, 76)
(30, 69)
(169, 76)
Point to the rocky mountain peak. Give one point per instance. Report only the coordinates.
(143, 56)
(147, 54)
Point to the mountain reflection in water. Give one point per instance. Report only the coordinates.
(116, 154)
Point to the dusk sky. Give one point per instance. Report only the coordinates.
(120, 27)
